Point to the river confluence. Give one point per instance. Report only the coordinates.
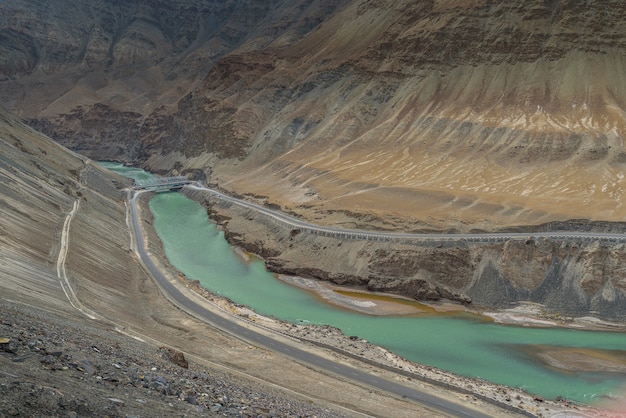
(460, 343)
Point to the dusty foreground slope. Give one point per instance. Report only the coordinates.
(61, 362)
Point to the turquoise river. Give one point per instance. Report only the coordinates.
(463, 344)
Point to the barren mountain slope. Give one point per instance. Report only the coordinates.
(476, 116)
(63, 56)
(436, 114)
(452, 114)
(40, 183)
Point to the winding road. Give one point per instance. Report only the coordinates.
(288, 221)
(232, 327)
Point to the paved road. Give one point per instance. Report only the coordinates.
(283, 219)
(223, 323)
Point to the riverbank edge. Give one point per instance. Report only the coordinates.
(359, 350)
(523, 313)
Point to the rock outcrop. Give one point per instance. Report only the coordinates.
(567, 278)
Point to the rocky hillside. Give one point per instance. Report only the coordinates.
(55, 367)
(41, 181)
(113, 63)
(398, 115)
(452, 114)
(481, 115)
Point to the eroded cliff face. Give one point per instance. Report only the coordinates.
(568, 278)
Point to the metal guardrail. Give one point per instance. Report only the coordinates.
(439, 238)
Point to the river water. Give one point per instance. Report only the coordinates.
(460, 343)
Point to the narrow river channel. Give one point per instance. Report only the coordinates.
(460, 343)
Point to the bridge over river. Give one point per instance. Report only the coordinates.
(161, 183)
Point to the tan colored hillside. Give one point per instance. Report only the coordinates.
(479, 117)
(445, 114)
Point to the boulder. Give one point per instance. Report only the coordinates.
(175, 356)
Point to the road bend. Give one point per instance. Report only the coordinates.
(179, 299)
